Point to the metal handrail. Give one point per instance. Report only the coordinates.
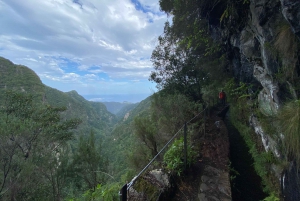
(133, 180)
(130, 184)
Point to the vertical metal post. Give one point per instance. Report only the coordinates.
(208, 109)
(123, 193)
(185, 146)
(204, 121)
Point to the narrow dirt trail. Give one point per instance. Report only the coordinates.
(213, 151)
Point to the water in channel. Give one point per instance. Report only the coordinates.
(247, 184)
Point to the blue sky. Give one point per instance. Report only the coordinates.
(100, 48)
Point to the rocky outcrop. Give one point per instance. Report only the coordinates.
(154, 185)
(268, 142)
(254, 54)
(253, 61)
(291, 12)
(268, 99)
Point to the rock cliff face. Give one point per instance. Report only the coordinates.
(254, 62)
(291, 12)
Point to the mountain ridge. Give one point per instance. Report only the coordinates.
(94, 115)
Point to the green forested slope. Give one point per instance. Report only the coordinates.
(93, 114)
(126, 110)
(50, 141)
(21, 78)
(116, 107)
(119, 145)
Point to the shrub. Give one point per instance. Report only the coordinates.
(174, 157)
(272, 197)
(289, 118)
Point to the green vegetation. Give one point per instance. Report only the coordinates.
(89, 164)
(242, 106)
(125, 112)
(18, 77)
(154, 128)
(115, 107)
(93, 114)
(33, 149)
(45, 158)
(272, 197)
(151, 191)
(289, 118)
(121, 144)
(174, 157)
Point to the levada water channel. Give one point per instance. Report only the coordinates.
(246, 185)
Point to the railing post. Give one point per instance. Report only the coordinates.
(185, 146)
(123, 193)
(204, 122)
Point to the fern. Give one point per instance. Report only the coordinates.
(272, 197)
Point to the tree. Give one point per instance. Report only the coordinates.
(31, 136)
(90, 166)
(155, 128)
(183, 58)
(147, 132)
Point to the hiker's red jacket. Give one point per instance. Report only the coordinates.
(222, 95)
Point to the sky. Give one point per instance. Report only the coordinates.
(100, 48)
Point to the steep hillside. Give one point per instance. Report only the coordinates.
(115, 107)
(118, 146)
(264, 56)
(94, 115)
(126, 110)
(250, 49)
(21, 78)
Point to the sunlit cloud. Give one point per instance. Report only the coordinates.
(69, 43)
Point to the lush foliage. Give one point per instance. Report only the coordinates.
(100, 193)
(154, 129)
(33, 148)
(289, 118)
(272, 197)
(46, 153)
(174, 157)
(18, 77)
(243, 104)
(120, 145)
(183, 58)
(115, 107)
(90, 166)
(93, 114)
(43, 160)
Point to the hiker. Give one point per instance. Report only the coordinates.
(222, 97)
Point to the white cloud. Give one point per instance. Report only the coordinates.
(64, 41)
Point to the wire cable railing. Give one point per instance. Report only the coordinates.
(124, 190)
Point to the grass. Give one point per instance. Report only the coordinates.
(286, 46)
(289, 121)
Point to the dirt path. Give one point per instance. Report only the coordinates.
(213, 151)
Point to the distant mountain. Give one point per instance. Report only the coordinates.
(115, 107)
(118, 136)
(94, 115)
(118, 145)
(21, 78)
(125, 111)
